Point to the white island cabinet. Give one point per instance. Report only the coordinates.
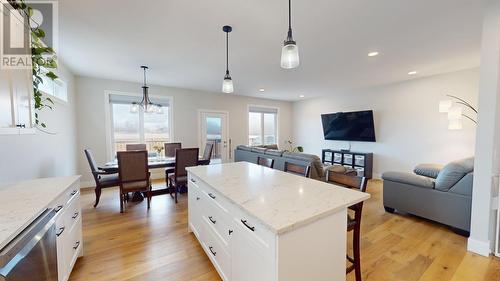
(256, 223)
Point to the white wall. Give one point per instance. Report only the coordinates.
(487, 162)
(91, 115)
(41, 154)
(409, 129)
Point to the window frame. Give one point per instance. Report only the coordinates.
(262, 130)
(109, 118)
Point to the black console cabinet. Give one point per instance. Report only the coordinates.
(362, 162)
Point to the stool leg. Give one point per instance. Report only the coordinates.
(356, 250)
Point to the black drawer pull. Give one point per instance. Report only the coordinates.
(75, 215)
(252, 228)
(77, 244)
(230, 232)
(58, 208)
(193, 180)
(73, 192)
(212, 251)
(212, 220)
(61, 230)
(211, 195)
(197, 198)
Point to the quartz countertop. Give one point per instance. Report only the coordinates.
(280, 200)
(21, 203)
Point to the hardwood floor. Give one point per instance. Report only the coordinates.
(155, 245)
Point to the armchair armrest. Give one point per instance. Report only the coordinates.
(408, 178)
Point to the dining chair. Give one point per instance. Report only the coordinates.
(353, 221)
(102, 179)
(134, 174)
(170, 148)
(207, 153)
(185, 157)
(135, 146)
(296, 169)
(268, 162)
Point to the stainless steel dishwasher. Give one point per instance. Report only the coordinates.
(32, 255)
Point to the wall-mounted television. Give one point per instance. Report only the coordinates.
(349, 126)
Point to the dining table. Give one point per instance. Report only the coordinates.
(153, 163)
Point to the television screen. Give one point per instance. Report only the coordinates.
(349, 126)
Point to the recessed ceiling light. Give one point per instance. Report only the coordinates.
(261, 90)
(412, 72)
(373, 54)
(301, 96)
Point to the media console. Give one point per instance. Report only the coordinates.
(362, 162)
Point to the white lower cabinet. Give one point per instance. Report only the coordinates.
(69, 231)
(242, 248)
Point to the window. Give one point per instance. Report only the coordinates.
(56, 88)
(153, 129)
(262, 125)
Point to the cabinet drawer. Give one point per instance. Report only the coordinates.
(348, 159)
(72, 213)
(217, 253)
(195, 207)
(251, 226)
(219, 223)
(337, 157)
(74, 245)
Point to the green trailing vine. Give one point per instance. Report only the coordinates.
(43, 60)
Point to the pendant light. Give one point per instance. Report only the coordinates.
(227, 84)
(290, 50)
(146, 103)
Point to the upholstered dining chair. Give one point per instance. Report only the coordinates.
(268, 162)
(135, 146)
(353, 220)
(134, 174)
(185, 157)
(207, 153)
(102, 179)
(170, 148)
(297, 169)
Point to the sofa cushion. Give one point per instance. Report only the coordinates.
(408, 178)
(453, 173)
(428, 170)
(269, 146)
(259, 149)
(274, 152)
(244, 147)
(316, 165)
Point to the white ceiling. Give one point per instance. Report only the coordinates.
(183, 43)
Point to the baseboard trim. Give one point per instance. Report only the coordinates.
(479, 247)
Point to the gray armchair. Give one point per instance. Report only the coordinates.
(442, 194)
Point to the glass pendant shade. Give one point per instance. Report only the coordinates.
(134, 108)
(227, 85)
(455, 124)
(290, 56)
(455, 113)
(445, 105)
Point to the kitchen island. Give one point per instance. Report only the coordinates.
(257, 223)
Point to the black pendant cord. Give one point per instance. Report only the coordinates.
(289, 37)
(227, 53)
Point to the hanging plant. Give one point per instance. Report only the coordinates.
(43, 60)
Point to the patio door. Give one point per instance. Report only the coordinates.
(214, 129)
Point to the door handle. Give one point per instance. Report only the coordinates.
(58, 208)
(77, 244)
(211, 195)
(75, 215)
(61, 230)
(73, 192)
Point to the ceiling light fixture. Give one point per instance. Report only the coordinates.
(290, 50)
(412, 72)
(261, 90)
(227, 84)
(301, 96)
(146, 103)
(373, 54)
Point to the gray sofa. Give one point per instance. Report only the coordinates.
(250, 154)
(442, 194)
